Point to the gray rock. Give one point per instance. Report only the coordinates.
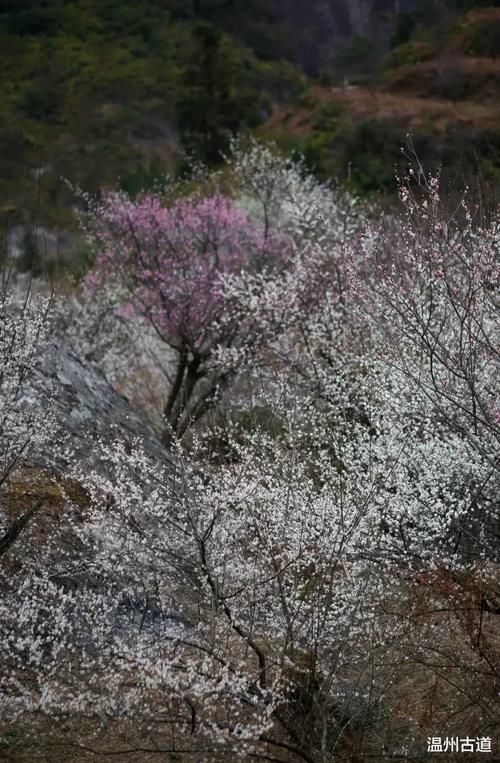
(86, 407)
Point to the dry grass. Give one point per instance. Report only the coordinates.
(358, 103)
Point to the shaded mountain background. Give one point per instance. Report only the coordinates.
(101, 92)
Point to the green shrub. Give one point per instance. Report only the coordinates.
(483, 39)
(410, 53)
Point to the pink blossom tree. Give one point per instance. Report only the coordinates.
(164, 263)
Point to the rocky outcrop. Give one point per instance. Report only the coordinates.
(318, 28)
(86, 407)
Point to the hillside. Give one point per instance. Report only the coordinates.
(443, 89)
(101, 92)
(95, 91)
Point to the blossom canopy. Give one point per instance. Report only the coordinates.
(165, 262)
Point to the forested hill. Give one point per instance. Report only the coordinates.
(107, 91)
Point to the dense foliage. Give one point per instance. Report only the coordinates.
(92, 91)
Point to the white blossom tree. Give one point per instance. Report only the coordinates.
(24, 422)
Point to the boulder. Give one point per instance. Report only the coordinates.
(86, 407)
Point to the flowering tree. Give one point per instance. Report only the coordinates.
(24, 329)
(164, 263)
(169, 265)
(286, 197)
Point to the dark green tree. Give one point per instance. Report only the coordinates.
(217, 98)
